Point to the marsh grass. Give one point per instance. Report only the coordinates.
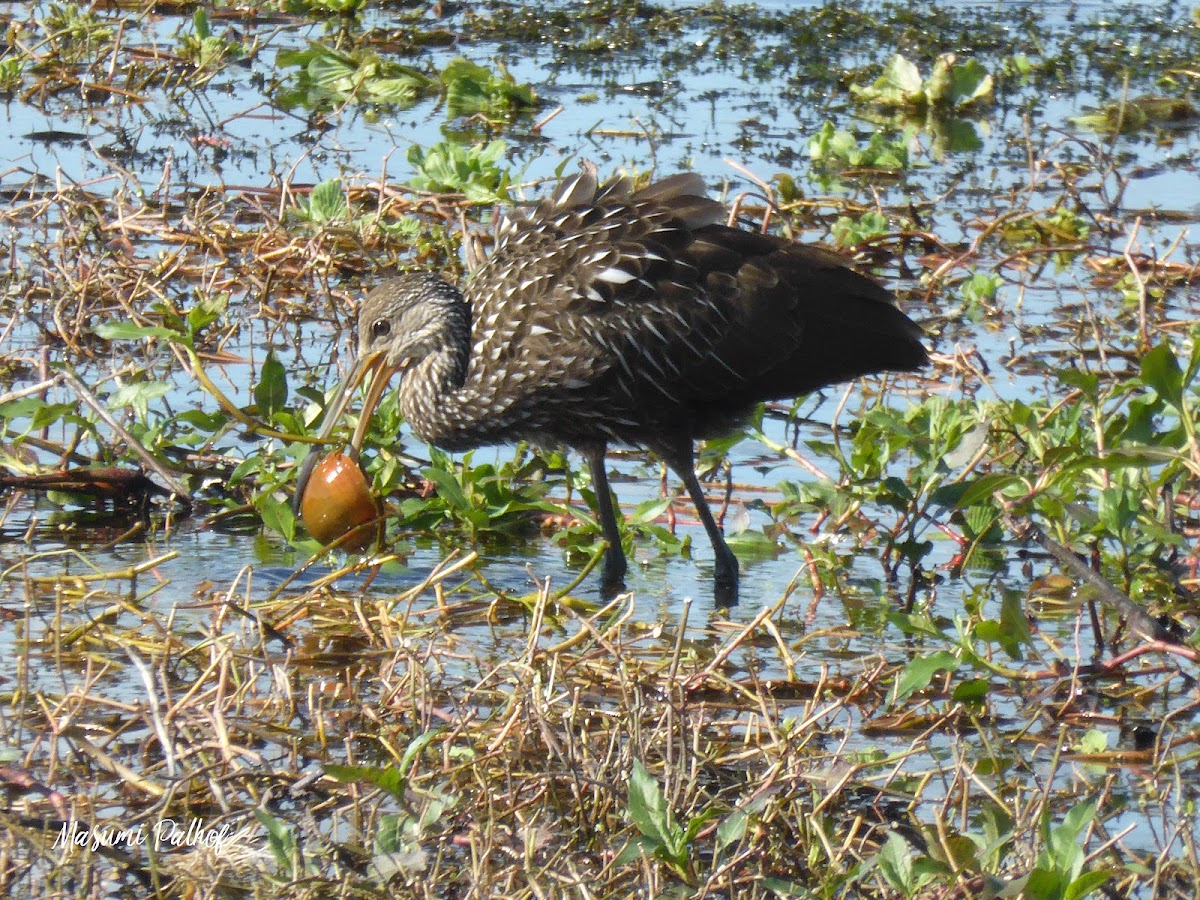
(511, 769)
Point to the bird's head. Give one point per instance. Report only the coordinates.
(401, 322)
(409, 317)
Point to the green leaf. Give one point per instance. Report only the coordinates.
(973, 690)
(649, 510)
(390, 836)
(970, 81)
(330, 69)
(1077, 819)
(1086, 884)
(387, 778)
(449, 167)
(329, 76)
(752, 545)
(40, 413)
(903, 74)
(1014, 624)
(279, 838)
(919, 673)
(731, 831)
(1064, 840)
(128, 331)
(637, 848)
(277, 515)
(984, 487)
(1161, 371)
(394, 91)
(997, 825)
(1093, 741)
(462, 69)
(417, 745)
(915, 624)
(982, 523)
(200, 24)
(695, 824)
(448, 488)
(848, 232)
(271, 392)
(1042, 884)
(138, 395)
(649, 811)
(894, 860)
(204, 313)
(327, 202)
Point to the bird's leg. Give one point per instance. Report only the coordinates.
(613, 576)
(725, 566)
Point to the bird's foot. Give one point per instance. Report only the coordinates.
(610, 587)
(725, 579)
(725, 592)
(612, 575)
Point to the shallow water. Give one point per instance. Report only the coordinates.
(651, 110)
(702, 115)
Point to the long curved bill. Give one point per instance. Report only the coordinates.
(373, 365)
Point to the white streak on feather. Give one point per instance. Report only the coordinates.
(649, 323)
(614, 275)
(527, 283)
(725, 366)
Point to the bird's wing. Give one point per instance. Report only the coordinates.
(798, 318)
(646, 298)
(590, 285)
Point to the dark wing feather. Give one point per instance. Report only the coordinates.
(662, 317)
(799, 319)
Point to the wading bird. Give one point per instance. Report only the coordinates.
(606, 315)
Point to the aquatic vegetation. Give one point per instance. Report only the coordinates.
(327, 77)
(472, 90)
(832, 147)
(450, 167)
(951, 85)
(964, 663)
(205, 48)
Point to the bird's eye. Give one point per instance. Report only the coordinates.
(381, 328)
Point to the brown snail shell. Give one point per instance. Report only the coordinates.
(337, 500)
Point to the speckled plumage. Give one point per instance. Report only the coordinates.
(606, 315)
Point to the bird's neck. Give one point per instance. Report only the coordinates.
(430, 384)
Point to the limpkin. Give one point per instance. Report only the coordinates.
(607, 315)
